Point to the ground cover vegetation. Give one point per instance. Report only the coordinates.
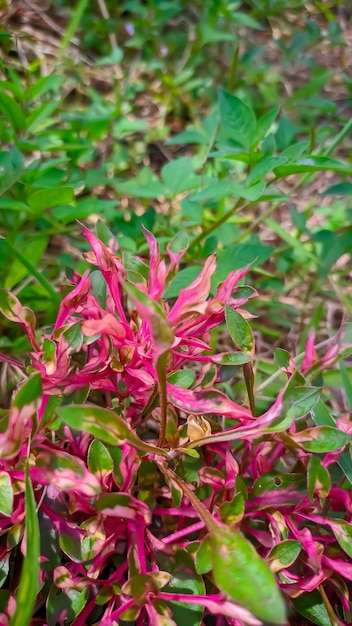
(175, 346)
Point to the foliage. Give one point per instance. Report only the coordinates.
(173, 442)
(174, 475)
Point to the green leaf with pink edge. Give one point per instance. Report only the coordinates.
(318, 479)
(283, 554)
(241, 573)
(343, 533)
(105, 425)
(320, 439)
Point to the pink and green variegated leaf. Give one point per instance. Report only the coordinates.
(105, 425)
(310, 356)
(111, 268)
(75, 298)
(125, 506)
(64, 471)
(107, 325)
(320, 439)
(161, 332)
(23, 409)
(192, 295)
(157, 267)
(283, 554)
(206, 401)
(343, 533)
(13, 310)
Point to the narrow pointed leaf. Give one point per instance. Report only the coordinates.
(29, 581)
(103, 424)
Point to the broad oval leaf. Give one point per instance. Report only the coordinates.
(241, 573)
(240, 330)
(284, 554)
(6, 494)
(237, 120)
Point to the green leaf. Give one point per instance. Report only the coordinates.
(231, 358)
(263, 167)
(239, 571)
(311, 606)
(178, 175)
(99, 458)
(68, 602)
(283, 554)
(32, 249)
(44, 199)
(312, 164)
(6, 494)
(321, 439)
(318, 479)
(304, 400)
(281, 358)
(264, 125)
(322, 417)
(29, 392)
(184, 580)
(240, 330)
(237, 120)
(341, 189)
(103, 424)
(182, 378)
(346, 383)
(203, 559)
(182, 279)
(12, 112)
(29, 581)
(239, 255)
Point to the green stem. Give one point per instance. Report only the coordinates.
(239, 205)
(249, 380)
(339, 137)
(233, 69)
(40, 278)
(203, 513)
(161, 373)
(256, 223)
(334, 620)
